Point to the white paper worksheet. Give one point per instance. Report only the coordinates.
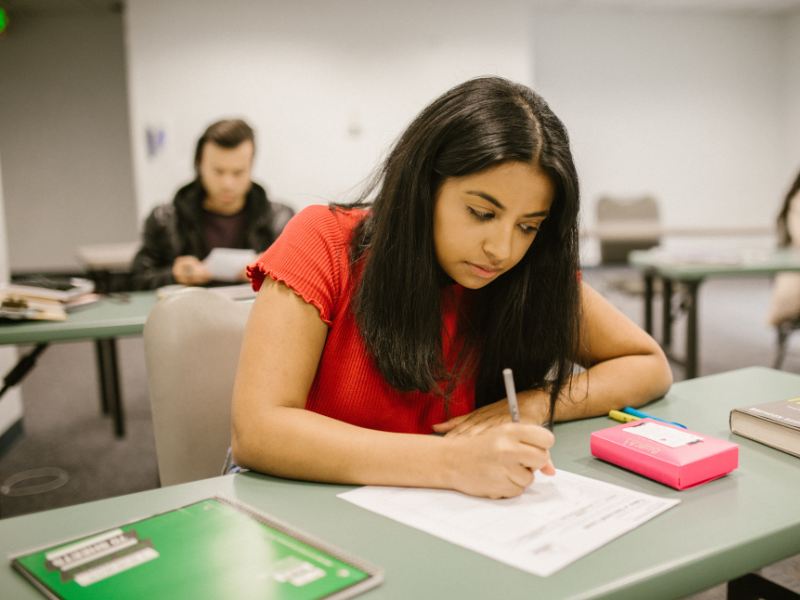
(225, 264)
(553, 523)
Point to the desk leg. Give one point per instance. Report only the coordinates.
(755, 587)
(25, 364)
(648, 302)
(691, 328)
(666, 314)
(101, 372)
(109, 382)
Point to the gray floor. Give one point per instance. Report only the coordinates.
(64, 426)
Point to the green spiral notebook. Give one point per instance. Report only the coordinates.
(216, 548)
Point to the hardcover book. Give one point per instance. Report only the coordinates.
(775, 424)
(671, 455)
(49, 288)
(215, 548)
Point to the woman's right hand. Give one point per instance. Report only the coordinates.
(499, 462)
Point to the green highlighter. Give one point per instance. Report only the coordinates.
(216, 548)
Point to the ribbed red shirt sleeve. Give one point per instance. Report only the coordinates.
(311, 257)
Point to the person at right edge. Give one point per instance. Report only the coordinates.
(785, 304)
(221, 208)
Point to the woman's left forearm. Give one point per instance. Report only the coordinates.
(610, 385)
(605, 386)
(624, 365)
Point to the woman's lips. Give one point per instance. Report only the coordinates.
(483, 271)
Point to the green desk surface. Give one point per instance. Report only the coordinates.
(758, 264)
(720, 530)
(109, 318)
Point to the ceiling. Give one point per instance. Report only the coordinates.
(40, 7)
(53, 7)
(748, 6)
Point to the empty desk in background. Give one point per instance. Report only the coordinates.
(621, 231)
(102, 323)
(690, 276)
(101, 260)
(720, 530)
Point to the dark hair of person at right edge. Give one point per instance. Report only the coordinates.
(784, 235)
(528, 318)
(226, 134)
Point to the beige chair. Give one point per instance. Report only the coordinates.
(192, 341)
(625, 225)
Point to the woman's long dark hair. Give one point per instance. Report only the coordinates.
(527, 319)
(784, 235)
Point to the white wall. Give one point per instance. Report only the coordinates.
(11, 402)
(791, 98)
(327, 85)
(686, 106)
(64, 136)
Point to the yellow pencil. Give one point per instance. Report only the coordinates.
(621, 416)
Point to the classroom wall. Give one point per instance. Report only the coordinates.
(327, 85)
(64, 137)
(791, 98)
(11, 402)
(686, 106)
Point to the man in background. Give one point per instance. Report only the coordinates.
(221, 208)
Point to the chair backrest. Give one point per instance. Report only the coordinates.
(192, 341)
(626, 225)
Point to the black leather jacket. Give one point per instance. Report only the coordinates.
(176, 229)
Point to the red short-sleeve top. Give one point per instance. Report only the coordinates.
(311, 258)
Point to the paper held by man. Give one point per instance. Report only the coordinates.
(226, 264)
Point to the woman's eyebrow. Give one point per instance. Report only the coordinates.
(488, 198)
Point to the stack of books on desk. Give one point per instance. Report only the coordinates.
(44, 298)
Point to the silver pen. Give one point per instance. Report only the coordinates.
(511, 393)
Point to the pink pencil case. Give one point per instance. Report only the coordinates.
(671, 455)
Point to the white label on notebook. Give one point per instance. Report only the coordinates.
(54, 554)
(672, 438)
(118, 565)
(297, 572)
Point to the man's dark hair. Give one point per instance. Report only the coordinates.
(227, 134)
(528, 318)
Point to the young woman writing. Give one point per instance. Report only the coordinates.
(396, 315)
